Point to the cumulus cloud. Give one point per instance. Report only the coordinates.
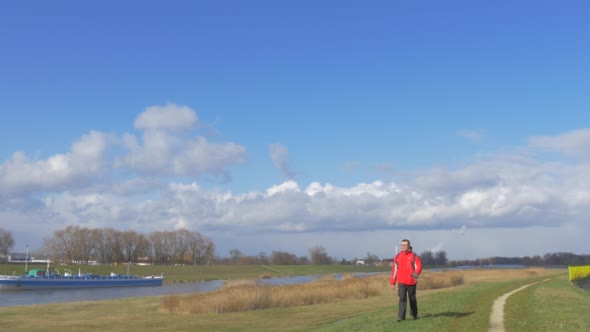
(495, 192)
(516, 193)
(505, 201)
(280, 156)
(168, 146)
(575, 143)
(167, 117)
(86, 161)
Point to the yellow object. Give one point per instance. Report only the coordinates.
(579, 272)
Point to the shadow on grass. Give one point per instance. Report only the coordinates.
(449, 314)
(582, 283)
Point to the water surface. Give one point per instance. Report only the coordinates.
(29, 297)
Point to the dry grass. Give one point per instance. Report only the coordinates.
(440, 280)
(491, 275)
(246, 295)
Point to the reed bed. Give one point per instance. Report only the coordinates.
(246, 295)
(440, 280)
(491, 275)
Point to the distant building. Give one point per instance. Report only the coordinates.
(18, 257)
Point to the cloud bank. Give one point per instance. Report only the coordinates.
(164, 162)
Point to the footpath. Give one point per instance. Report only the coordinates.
(497, 317)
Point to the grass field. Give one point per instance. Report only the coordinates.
(550, 306)
(460, 308)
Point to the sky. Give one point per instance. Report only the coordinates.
(463, 126)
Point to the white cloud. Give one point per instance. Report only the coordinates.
(286, 186)
(168, 147)
(280, 156)
(497, 194)
(21, 175)
(167, 117)
(575, 143)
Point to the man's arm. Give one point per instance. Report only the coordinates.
(393, 273)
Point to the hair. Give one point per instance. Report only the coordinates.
(406, 240)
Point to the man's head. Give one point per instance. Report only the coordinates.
(406, 245)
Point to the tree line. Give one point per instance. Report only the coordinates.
(317, 256)
(109, 246)
(549, 259)
(81, 245)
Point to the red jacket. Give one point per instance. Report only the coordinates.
(405, 264)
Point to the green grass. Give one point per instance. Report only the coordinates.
(555, 305)
(465, 308)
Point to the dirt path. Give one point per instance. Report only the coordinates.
(497, 317)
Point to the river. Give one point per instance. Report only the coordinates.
(29, 297)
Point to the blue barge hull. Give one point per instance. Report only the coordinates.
(59, 282)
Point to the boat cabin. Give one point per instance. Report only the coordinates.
(41, 273)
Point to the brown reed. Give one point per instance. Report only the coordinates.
(245, 295)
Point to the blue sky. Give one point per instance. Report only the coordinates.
(272, 125)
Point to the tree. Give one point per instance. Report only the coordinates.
(318, 255)
(283, 258)
(158, 247)
(134, 245)
(371, 258)
(440, 257)
(6, 241)
(427, 258)
(235, 255)
(105, 244)
(262, 259)
(71, 244)
(202, 248)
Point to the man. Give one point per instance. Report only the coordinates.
(405, 271)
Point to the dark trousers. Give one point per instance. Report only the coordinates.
(404, 292)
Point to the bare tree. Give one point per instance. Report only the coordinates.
(318, 255)
(235, 255)
(83, 239)
(180, 246)
(111, 246)
(209, 253)
(170, 247)
(6, 242)
(64, 245)
(427, 258)
(133, 245)
(283, 258)
(262, 258)
(440, 257)
(201, 248)
(158, 247)
(104, 244)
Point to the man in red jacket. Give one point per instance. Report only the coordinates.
(405, 271)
